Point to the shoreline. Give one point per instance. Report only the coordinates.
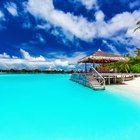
(130, 89)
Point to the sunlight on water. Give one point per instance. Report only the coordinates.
(51, 107)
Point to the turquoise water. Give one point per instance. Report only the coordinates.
(51, 107)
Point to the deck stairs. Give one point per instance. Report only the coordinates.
(96, 80)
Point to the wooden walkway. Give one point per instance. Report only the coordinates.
(118, 78)
(97, 81)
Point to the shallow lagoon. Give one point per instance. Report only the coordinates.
(51, 107)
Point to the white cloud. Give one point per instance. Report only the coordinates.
(80, 26)
(119, 27)
(27, 56)
(58, 62)
(76, 25)
(119, 24)
(14, 57)
(99, 15)
(12, 8)
(28, 61)
(73, 59)
(4, 55)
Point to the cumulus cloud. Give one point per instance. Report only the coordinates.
(119, 24)
(99, 16)
(4, 55)
(28, 61)
(120, 29)
(73, 59)
(12, 9)
(79, 26)
(27, 56)
(76, 25)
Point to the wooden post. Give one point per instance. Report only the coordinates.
(133, 76)
(93, 65)
(109, 80)
(115, 79)
(122, 78)
(85, 67)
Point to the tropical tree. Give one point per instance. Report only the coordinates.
(138, 24)
(124, 66)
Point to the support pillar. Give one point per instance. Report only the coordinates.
(85, 67)
(115, 79)
(133, 76)
(122, 78)
(109, 80)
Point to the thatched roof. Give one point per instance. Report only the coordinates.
(102, 57)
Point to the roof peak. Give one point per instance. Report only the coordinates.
(99, 50)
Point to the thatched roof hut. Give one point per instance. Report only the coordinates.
(102, 57)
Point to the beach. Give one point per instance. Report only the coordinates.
(130, 89)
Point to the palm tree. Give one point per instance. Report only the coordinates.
(124, 66)
(138, 28)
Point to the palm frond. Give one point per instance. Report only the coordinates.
(137, 28)
(138, 22)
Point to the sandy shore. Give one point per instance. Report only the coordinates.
(130, 89)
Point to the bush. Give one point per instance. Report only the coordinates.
(135, 68)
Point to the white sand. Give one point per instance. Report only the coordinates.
(130, 89)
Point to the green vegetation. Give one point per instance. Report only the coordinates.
(130, 66)
(135, 62)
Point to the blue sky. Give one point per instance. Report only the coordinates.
(56, 33)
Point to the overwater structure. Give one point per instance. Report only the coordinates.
(95, 79)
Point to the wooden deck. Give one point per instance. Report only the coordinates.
(95, 82)
(118, 78)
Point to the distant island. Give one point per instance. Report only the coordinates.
(33, 71)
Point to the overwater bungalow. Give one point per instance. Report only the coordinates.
(98, 78)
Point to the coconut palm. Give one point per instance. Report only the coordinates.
(138, 28)
(124, 66)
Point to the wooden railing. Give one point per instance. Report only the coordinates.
(98, 77)
(81, 78)
(93, 80)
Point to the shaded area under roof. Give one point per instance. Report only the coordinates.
(102, 57)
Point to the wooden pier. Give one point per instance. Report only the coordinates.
(98, 81)
(117, 78)
(92, 80)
